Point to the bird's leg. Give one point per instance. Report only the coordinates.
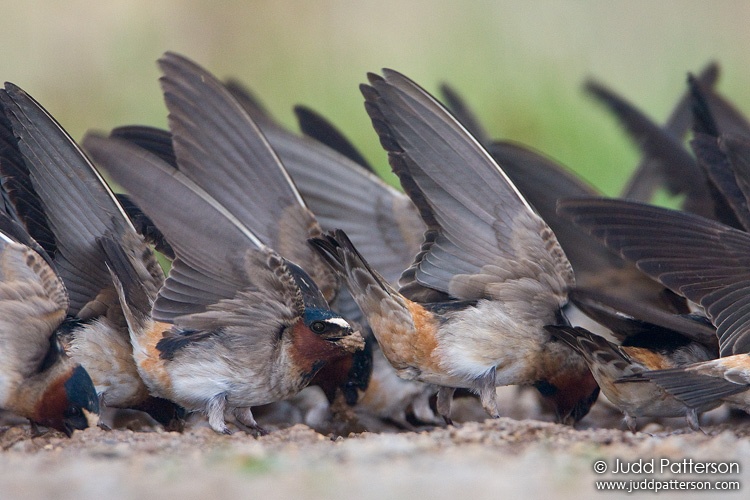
(245, 418)
(631, 423)
(488, 394)
(444, 398)
(35, 431)
(215, 411)
(692, 420)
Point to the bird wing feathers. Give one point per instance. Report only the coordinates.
(481, 231)
(702, 260)
(33, 303)
(75, 199)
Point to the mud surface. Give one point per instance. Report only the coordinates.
(480, 459)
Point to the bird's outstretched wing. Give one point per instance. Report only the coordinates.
(700, 259)
(481, 231)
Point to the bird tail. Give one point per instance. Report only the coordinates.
(137, 277)
(339, 253)
(693, 389)
(587, 344)
(368, 288)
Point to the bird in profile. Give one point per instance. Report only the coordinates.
(343, 192)
(649, 338)
(254, 167)
(237, 324)
(57, 195)
(471, 309)
(707, 383)
(38, 380)
(614, 367)
(703, 260)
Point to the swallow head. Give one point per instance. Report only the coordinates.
(70, 402)
(330, 327)
(321, 338)
(318, 318)
(571, 395)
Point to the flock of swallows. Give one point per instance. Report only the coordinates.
(293, 264)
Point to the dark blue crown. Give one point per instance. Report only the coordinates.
(80, 390)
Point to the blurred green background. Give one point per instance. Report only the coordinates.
(520, 64)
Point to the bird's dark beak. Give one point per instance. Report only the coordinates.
(68, 428)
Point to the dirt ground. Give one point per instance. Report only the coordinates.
(474, 459)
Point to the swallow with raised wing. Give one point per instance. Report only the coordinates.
(237, 324)
(58, 196)
(38, 380)
(471, 310)
(341, 193)
(703, 260)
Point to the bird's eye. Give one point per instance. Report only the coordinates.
(73, 411)
(318, 326)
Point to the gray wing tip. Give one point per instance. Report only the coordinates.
(173, 58)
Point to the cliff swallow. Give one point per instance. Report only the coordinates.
(703, 260)
(252, 177)
(236, 324)
(57, 194)
(609, 363)
(348, 376)
(37, 380)
(382, 221)
(471, 309)
(700, 259)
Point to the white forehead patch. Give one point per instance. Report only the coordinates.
(339, 322)
(91, 418)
